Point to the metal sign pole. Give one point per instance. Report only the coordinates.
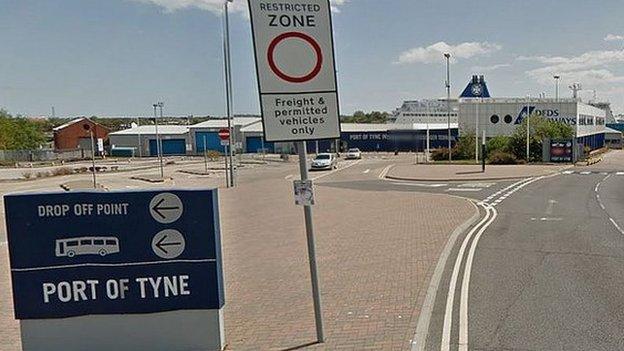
(205, 156)
(227, 177)
(93, 158)
(307, 211)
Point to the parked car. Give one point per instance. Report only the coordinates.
(354, 154)
(324, 161)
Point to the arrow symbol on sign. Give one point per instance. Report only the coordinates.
(157, 208)
(161, 244)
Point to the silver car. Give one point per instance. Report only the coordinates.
(354, 154)
(324, 161)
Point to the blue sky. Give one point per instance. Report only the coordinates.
(117, 57)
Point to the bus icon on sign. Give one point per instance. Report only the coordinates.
(87, 245)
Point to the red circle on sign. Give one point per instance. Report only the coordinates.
(317, 49)
(224, 134)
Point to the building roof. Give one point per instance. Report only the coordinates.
(364, 127)
(367, 127)
(612, 131)
(421, 126)
(253, 128)
(76, 120)
(223, 122)
(151, 129)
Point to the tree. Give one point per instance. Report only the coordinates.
(362, 117)
(540, 129)
(19, 133)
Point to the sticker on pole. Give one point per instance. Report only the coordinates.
(294, 53)
(304, 192)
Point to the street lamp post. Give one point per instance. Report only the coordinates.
(528, 131)
(228, 85)
(90, 130)
(139, 136)
(448, 103)
(158, 145)
(557, 87)
(477, 134)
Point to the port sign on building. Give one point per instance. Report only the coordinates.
(294, 52)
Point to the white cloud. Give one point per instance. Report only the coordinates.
(590, 67)
(614, 37)
(490, 68)
(434, 53)
(215, 6)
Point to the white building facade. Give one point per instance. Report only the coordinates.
(501, 116)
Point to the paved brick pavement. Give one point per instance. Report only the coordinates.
(376, 251)
(441, 172)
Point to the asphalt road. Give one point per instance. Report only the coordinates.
(543, 270)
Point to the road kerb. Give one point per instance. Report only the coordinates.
(419, 341)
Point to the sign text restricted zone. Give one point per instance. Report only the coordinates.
(296, 73)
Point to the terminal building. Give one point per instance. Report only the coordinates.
(501, 116)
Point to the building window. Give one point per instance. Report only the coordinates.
(508, 119)
(494, 119)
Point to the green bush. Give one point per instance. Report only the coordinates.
(502, 158)
(440, 154)
(498, 143)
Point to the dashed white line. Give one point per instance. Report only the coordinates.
(464, 189)
(616, 225)
(366, 171)
(585, 173)
(288, 176)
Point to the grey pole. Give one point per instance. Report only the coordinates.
(139, 136)
(225, 157)
(205, 156)
(307, 211)
(557, 87)
(477, 134)
(428, 144)
(158, 151)
(228, 85)
(528, 115)
(93, 157)
(448, 103)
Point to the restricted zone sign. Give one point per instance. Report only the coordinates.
(116, 270)
(294, 52)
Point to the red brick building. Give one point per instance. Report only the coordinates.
(75, 134)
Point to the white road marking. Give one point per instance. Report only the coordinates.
(550, 206)
(427, 185)
(450, 298)
(551, 219)
(288, 176)
(585, 173)
(616, 225)
(464, 189)
(385, 171)
(463, 301)
(619, 173)
(489, 217)
(567, 172)
(336, 170)
(366, 171)
(476, 185)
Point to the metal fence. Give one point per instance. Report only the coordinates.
(42, 155)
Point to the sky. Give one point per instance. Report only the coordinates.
(118, 57)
